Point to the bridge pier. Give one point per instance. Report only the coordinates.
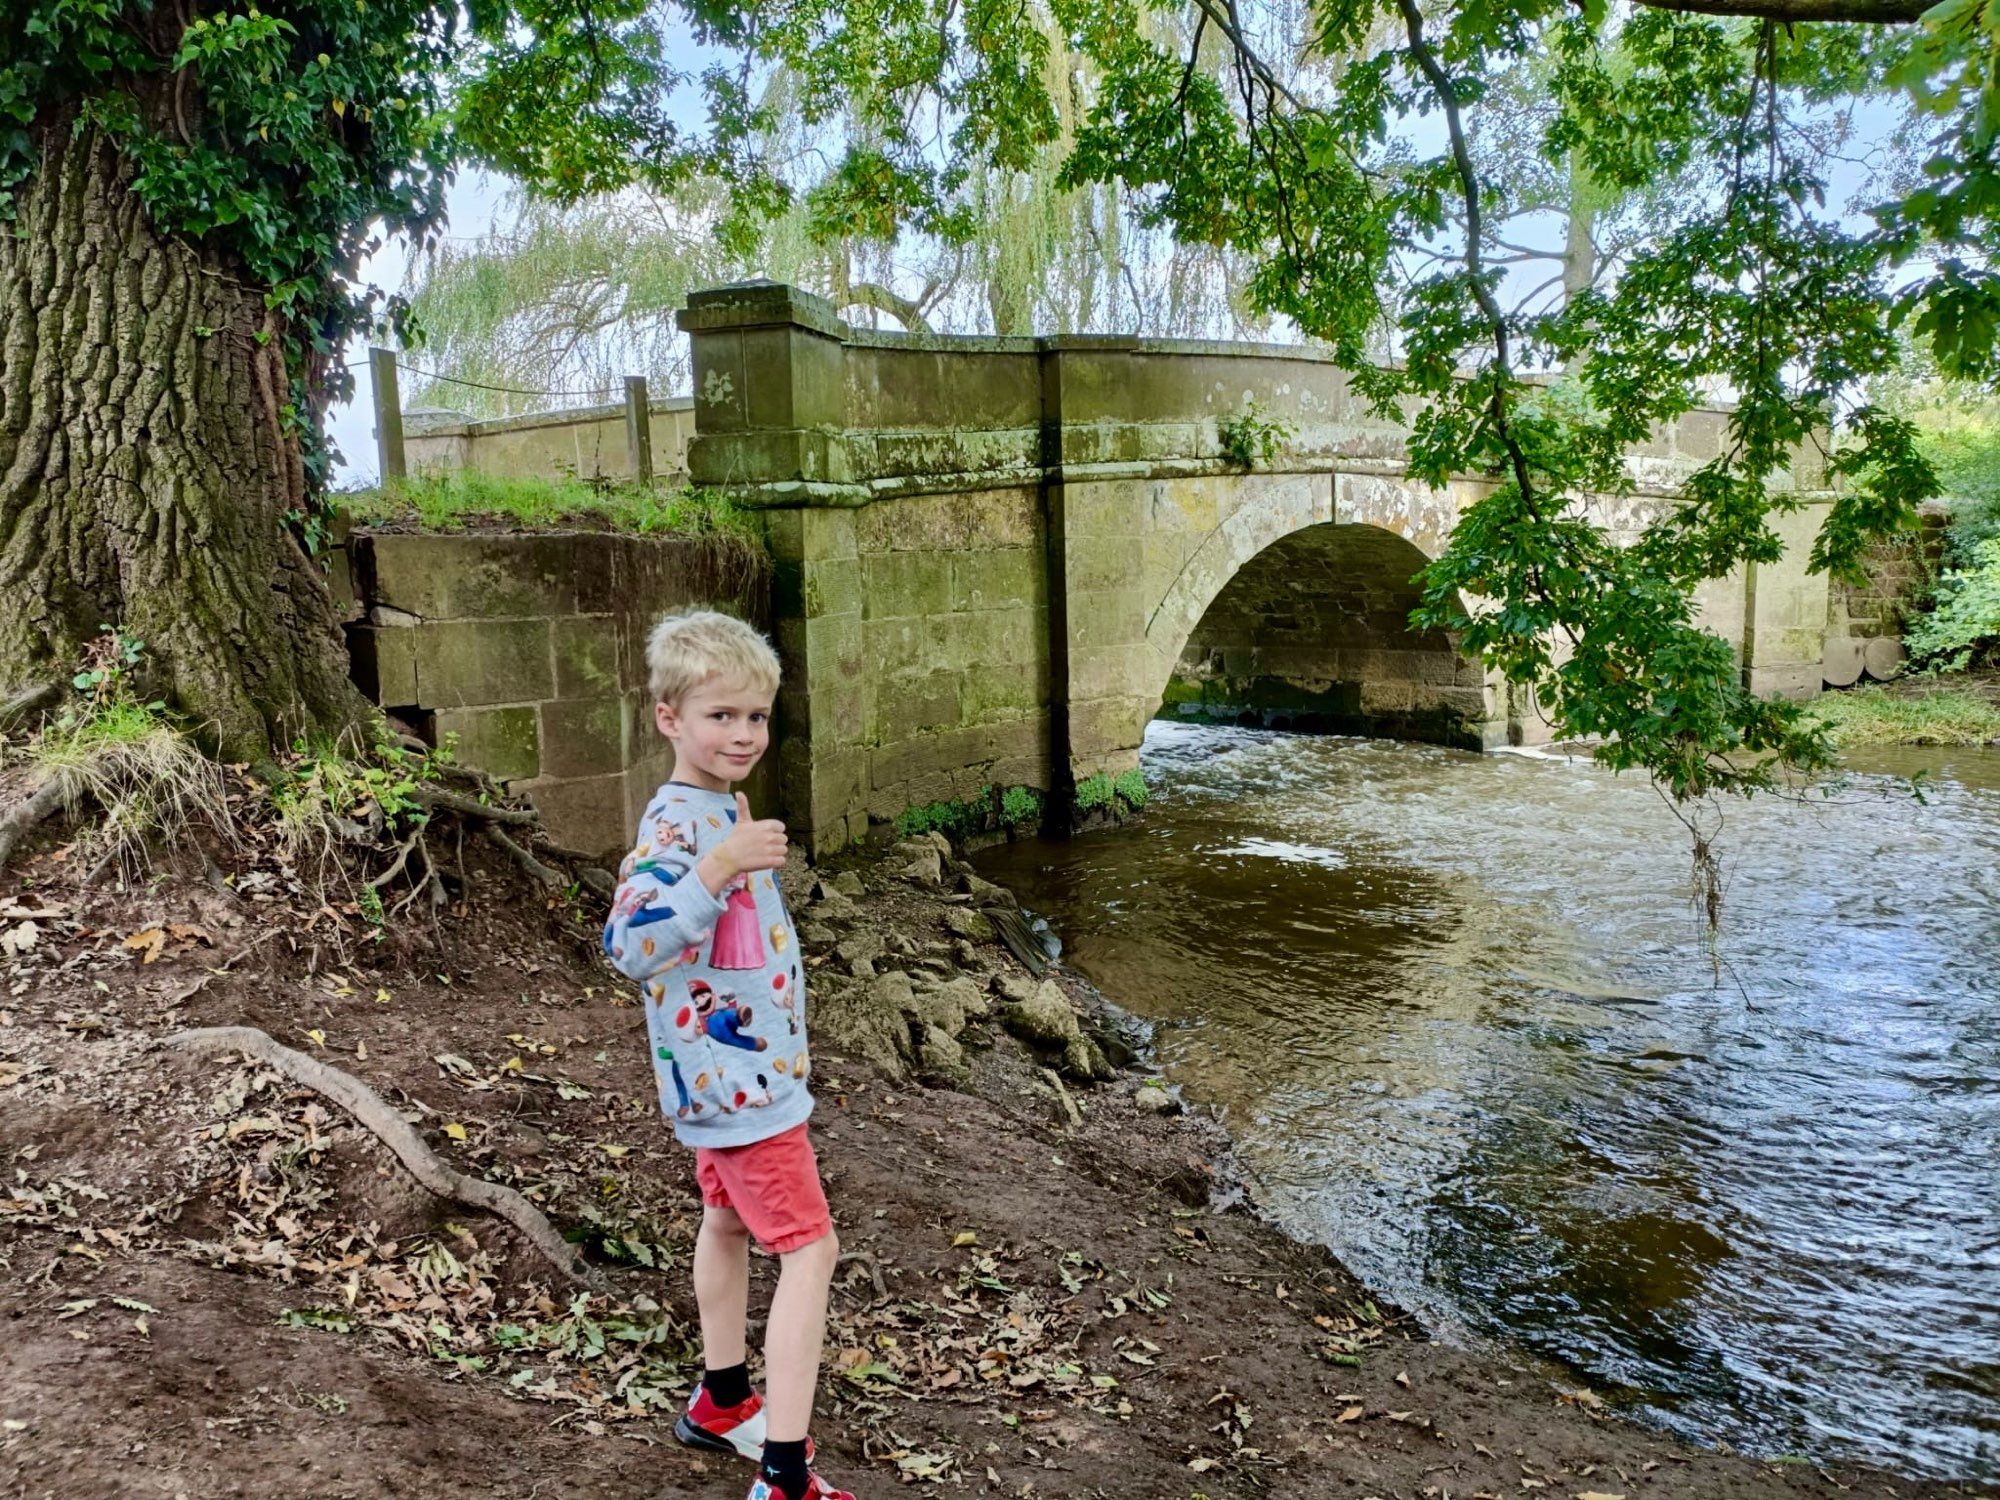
(997, 559)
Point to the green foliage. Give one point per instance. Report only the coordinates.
(327, 792)
(1964, 625)
(1020, 806)
(991, 810)
(953, 819)
(1250, 436)
(1906, 714)
(1117, 795)
(460, 498)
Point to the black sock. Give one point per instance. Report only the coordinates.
(730, 1387)
(785, 1467)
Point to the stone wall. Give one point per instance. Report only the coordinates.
(585, 443)
(1896, 574)
(530, 650)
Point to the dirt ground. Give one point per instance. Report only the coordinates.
(213, 1283)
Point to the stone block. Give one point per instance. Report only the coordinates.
(1103, 563)
(502, 742)
(587, 813)
(462, 665)
(996, 580)
(901, 584)
(831, 587)
(1003, 691)
(893, 646)
(470, 577)
(986, 637)
(583, 737)
(586, 656)
(383, 661)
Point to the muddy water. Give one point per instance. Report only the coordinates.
(1464, 1028)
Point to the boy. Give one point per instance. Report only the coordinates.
(700, 923)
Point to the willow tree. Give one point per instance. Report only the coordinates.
(193, 190)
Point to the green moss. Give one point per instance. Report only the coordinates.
(1131, 789)
(450, 502)
(1093, 792)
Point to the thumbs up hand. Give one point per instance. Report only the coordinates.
(753, 844)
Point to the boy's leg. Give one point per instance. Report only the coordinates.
(722, 1286)
(793, 1337)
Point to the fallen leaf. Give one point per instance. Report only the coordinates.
(361, 1051)
(1352, 1414)
(382, 997)
(315, 1036)
(19, 938)
(963, 1238)
(1201, 1465)
(148, 942)
(1403, 1379)
(455, 1130)
(1597, 1495)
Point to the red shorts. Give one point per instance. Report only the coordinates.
(772, 1184)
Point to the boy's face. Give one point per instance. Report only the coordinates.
(719, 731)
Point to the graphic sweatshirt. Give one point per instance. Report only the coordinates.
(723, 992)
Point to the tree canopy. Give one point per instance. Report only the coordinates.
(1354, 167)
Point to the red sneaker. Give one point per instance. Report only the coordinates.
(816, 1489)
(737, 1429)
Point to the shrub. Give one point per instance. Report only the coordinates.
(1965, 624)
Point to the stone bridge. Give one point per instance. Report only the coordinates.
(998, 559)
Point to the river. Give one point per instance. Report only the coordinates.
(1465, 1029)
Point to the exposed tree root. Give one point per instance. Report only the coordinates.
(23, 707)
(43, 802)
(372, 1111)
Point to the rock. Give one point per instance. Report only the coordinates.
(862, 947)
(1082, 1059)
(946, 1006)
(938, 1053)
(1044, 1018)
(902, 946)
(849, 1018)
(891, 991)
(1153, 1099)
(964, 922)
(1015, 987)
(985, 892)
(861, 968)
(832, 906)
(939, 842)
(968, 954)
(848, 883)
(816, 935)
(925, 869)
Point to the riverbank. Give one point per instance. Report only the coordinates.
(1962, 709)
(216, 1284)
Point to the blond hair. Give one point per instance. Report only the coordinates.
(688, 647)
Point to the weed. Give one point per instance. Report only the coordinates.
(148, 777)
(1251, 437)
(1020, 806)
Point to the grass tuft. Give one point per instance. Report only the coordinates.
(151, 780)
(1912, 713)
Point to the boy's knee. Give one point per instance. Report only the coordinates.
(821, 1256)
(724, 1221)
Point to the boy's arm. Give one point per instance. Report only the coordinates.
(668, 900)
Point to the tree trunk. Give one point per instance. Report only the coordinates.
(145, 466)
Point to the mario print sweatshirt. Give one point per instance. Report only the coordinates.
(720, 978)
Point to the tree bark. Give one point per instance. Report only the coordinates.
(145, 467)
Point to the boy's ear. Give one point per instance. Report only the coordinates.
(667, 718)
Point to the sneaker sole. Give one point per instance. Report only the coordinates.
(701, 1437)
